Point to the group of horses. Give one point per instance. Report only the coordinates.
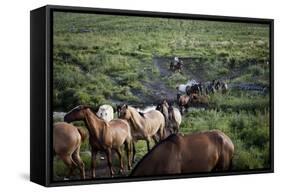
(193, 86)
(174, 153)
(192, 93)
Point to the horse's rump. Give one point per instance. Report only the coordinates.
(66, 138)
(120, 130)
(177, 154)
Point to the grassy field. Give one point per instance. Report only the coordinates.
(102, 59)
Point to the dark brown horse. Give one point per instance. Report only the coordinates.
(192, 89)
(67, 140)
(183, 102)
(180, 154)
(104, 136)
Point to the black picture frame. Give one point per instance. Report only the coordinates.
(41, 42)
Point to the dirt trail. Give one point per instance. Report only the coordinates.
(194, 69)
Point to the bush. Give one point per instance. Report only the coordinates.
(255, 70)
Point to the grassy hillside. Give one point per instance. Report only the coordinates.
(102, 59)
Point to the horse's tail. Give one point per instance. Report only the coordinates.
(83, 133)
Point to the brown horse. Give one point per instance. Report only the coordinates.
(183, 102)
(198, 101)
(104, 136)
(67, 140)
(144, 126)
(180, 154)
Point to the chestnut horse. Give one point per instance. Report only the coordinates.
(179, 154)
(183, 102)
(104, 136)
(67, 140)
(197, 100)
(144, 126)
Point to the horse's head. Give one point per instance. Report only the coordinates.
(124, 112)
(159, 107)
(103, 112)
(76, 114)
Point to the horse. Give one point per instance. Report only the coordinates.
(181, 154)
(224, 87)
(106, 112)
(221, 86)
(176, 65)
(183, 102)
(210, 88)
(195, 88)
(172, 116)
(144, 126)
(197, 100)
(67, 140)
(183, 87)
(104, 136)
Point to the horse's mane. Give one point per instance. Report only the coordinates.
(134, 112)
(141, 113)
(94, 113)
(173, 138)
(172, 111)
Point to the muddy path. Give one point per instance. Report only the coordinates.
(159, 90)
(195, 69)
(163, 64)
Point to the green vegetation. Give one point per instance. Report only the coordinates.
(102, 59)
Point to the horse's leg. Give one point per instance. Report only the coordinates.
(118, 150)
(109, 161)
(147, 144)
(79, 162)
(134, 151)
(94, 155)
(181, 110)
(128, 146)
(155, 139)
(67, 159)
(230, 165)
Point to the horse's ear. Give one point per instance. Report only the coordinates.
(126, 106)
